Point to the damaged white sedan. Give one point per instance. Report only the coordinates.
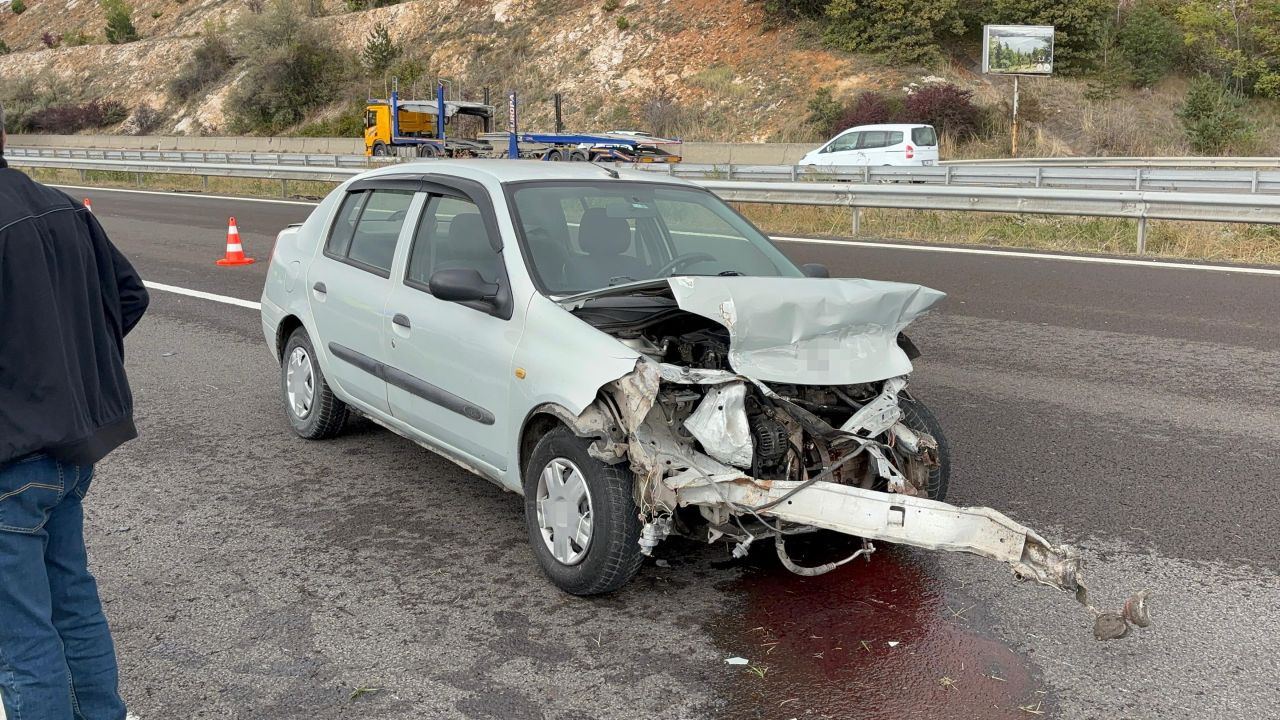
(632, 356)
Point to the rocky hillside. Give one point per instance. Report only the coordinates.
(707, 63)
(712, 70)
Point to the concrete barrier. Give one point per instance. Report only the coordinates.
(312, 146)
(694, 152)
(746, 153)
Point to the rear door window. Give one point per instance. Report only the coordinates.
(367, 227)
(873, 139)
(924, 136)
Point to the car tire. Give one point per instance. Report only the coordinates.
(321, 415)
(917, 416)
(379, 149)
(555, 156)
(611, 556)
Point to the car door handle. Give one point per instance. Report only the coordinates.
(320, 288)
(402, 320)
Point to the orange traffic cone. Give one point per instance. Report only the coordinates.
(88, 205)
(235, 251)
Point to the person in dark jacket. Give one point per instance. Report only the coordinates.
(67, 299)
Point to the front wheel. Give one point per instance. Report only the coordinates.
(918, 417)
(582, 521)
(314, 412)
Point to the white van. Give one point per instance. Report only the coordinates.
(878, 145)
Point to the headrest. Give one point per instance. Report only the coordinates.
(599, 234)
(467, 230)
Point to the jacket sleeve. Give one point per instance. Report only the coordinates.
(133, 294)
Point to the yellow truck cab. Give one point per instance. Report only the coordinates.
(413, 129)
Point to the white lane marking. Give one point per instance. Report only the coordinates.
(188, 195)
(818, 241)
(203, 295)
(1035, 256)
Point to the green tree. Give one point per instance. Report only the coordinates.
(824, 111)
(290, 69)
(120, 27)
(1077, 26)
(18, 7)
(1237, 42)
(379, 51)
(906, 31)
(1211, 117)
(1148, 42)
(792, 9)
(208, 63)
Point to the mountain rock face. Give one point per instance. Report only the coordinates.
(706, 69)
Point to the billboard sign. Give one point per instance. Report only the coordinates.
(1017, 49)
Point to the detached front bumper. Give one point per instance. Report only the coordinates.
(902, 519)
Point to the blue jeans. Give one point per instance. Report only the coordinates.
(57, 661)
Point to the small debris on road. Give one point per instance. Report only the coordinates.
(736, 661)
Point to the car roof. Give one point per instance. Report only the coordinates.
(510, 171)
(886, 126)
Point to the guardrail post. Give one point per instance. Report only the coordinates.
(855, 220)
(83, 176)
(946, 179)
(1137, 181)
(730, 177)
(1254, 187)
(1142, 235)
(204, 183)
(284, 187)
(793, 173)
(866, 174)
(139, 178)
(1039, 175)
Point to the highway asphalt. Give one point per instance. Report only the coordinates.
(1124, 408)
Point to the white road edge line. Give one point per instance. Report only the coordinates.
(819, 241)
(1032, 255)
(203, 295)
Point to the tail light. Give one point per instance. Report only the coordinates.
(911, 152)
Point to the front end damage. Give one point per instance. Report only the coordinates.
(766, 407)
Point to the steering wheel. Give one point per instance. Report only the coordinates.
(681, 260)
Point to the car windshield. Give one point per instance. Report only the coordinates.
(581, 237)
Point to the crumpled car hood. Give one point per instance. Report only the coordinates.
(809, 331)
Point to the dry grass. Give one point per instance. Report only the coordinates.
(244, 187)
(1202, 241)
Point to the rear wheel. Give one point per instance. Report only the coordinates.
(555, 156)
(582, 522)
(428, 151)
(577, 156)
(314, 412)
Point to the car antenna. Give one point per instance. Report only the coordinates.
(612, 173)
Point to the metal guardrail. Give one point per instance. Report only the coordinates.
(1168, 162)
(1138, 205)
(1170, 180)
(1077, 173)
(201, 157)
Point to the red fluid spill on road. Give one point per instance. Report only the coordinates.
(823, 644)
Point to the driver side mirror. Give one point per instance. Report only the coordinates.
(461, 285)
(813, 270)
